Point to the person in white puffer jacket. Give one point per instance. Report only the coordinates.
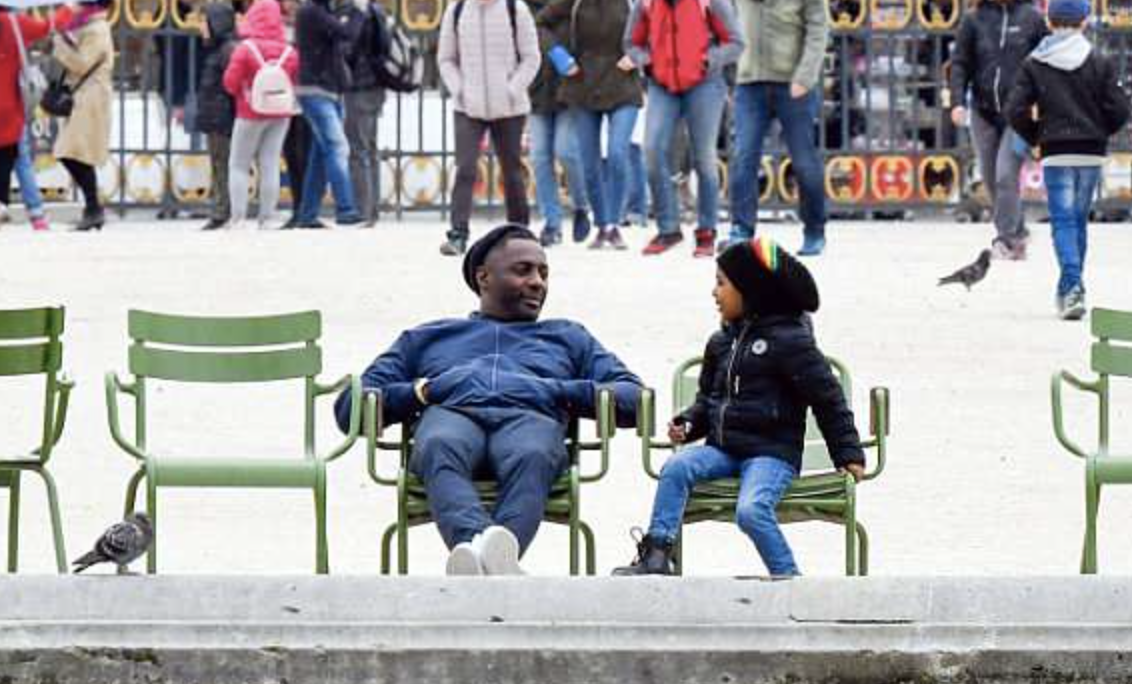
(488, 56)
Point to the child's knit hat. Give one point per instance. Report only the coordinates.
(1068, 11)
(769, 278)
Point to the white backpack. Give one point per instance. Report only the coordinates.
(272, 93)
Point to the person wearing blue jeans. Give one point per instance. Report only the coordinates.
(29, 184)
(1067, 101)
(684, 45)
(605, 183)
(762, 482)
(329, 160)
(702, 109)
(550, 139)
(756, 106)
(1070, 191)
(760, 375)
(635, 209)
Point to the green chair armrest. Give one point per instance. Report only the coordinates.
(374, 420)
(63, 387)
(646, 430)
(355, 385)
(1055, 383)
(606, 427)
(878, 430)
(114, 386)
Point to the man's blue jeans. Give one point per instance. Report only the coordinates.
(702, 108)
(763, 481)
(756, 105)
(551, 137)
(329, 159)
(25, 173)
(1070, 191)
(606, 189)
(522, 450)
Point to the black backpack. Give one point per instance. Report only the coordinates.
(396, 59)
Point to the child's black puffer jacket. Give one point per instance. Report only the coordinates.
(757, 380)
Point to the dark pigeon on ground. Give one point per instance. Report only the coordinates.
(121, 544)
(971, 273)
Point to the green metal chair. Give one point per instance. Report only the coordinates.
(30, 345)
(228, 350)
(1111, 357)
(819, 493)
(562, 507)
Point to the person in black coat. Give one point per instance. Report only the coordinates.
(1068, 102)
(364, 100)
(216, 111)
(760, 374)
(993, 41)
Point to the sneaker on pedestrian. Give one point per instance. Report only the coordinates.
(1008, 249)
(581, 225)
(498, 551)
(40, 223)
(1018, 253)
(310, 225)
(662, 242)
(654, 557)
(599, 240)
(455, 243)
(812, 246)
(5, 216)
(613, 238)
(1071, 305)
(214, 224)
(464, 560)
(550, 235)
(350, 220)
(705, 243)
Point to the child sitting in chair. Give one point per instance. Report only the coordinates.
(760, 373)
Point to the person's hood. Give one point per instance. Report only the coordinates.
(264, 21)
(221, 18)
(1065, 49)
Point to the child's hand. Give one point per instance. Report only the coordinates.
(677, 431)
(857, 470)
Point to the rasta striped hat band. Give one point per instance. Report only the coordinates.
(770, 279)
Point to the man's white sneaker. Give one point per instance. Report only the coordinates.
(498, 551)
(464, 560)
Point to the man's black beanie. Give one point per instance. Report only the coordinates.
(477, 253)
(769, 278)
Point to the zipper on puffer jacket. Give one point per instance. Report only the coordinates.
(1001, 51)
(732, 386)
(495, 362)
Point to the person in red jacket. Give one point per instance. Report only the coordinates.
(12, 118)
(683, 46)
(257, 135)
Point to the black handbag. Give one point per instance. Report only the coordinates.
(59, 98)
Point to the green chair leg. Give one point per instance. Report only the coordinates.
(678, 554)
(591, 548)
(56, 521)
(151, 510)
(1092, 505)
(132, 491)
(322, 551)
(863, 553)
(14, 523)
(402, 547)
(851, 529)
(387, 549)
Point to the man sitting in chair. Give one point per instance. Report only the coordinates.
(492, 395)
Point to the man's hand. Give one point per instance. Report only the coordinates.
(959, 116)
(677, 432)
(797, 90)
(857, 470)
(626, 63)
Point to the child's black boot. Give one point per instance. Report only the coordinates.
(654, 557)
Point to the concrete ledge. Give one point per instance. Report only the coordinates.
(217, 630)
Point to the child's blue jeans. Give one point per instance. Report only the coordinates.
(25, 173)
(1069, 192)
(763, 481)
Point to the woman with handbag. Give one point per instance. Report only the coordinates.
(17, 32)
(86, 51)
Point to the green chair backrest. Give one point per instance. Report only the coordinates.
(29, 341)
(224, 349)
(1112, 352)
(30, 345)
(815, 456)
